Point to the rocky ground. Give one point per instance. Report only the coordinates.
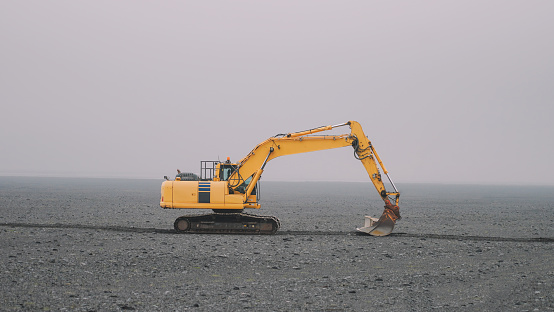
(105, 245)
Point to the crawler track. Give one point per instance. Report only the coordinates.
(227, 223)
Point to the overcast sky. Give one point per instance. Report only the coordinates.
(447, 91)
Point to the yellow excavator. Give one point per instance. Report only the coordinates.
(228, 188)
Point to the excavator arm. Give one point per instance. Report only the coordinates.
(250, 168)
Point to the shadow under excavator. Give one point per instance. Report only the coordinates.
(284, 233)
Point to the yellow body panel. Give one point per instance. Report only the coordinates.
(167, 195)
(187, 194)
(234, 199)
(219, 192)
(208, 206)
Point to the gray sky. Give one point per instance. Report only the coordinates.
(447, 91)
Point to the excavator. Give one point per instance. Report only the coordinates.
(229, 188)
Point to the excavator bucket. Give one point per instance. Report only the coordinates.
(377, 227)
(384, 225)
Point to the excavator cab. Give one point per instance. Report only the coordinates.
(225, 171)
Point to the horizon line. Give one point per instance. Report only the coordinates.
(127, 177)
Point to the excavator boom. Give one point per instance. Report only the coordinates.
(233, 186)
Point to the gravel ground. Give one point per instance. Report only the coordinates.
(105, 245)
